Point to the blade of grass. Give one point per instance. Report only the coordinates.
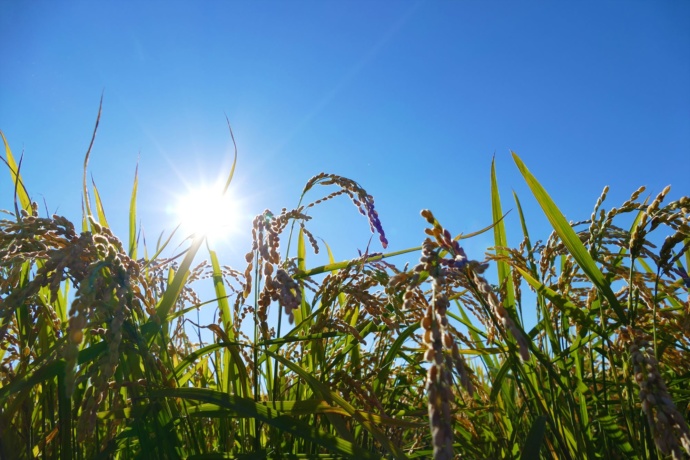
(292, 408)
(234, 160)
(303, 312)
(175, 287)
(391, 355)
(329, 395)
(525, 232)
(376, 257)
(571, 310)
(570, 239)
(221, 295)
(85, 190)
(100, 211)
(535, 439)
(257, 410)
(501, 242)
(19, 187)
(133, 216)
(228, 368)
(613, 432)
(65, 417)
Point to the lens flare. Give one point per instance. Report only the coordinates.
(207, 211)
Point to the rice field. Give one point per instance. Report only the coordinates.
(101, 354)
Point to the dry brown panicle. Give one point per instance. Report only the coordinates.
(442, 261)
(501, 315)
(648, 215)
(670, 430)
(360, 389)
(547, 255)
(594, 224)
(104, 294)
(361, 289)
(278, 284)
(105, 279)
(335, 282)
(666, 257)
(469, 274)
(439, 378)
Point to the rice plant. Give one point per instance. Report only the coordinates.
(102, 353)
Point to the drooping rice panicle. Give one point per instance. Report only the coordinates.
(670, 430)
(358, 196)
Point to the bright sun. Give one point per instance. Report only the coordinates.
(206, 210)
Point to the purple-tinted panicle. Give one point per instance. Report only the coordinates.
(359, 197)
(375, 223)
(460, 261)
(680, 271)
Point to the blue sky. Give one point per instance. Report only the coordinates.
(411, 99)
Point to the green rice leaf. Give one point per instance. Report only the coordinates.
(292, 408)
(133, 216)
(85, 190)
(391, 355)
(31, 379)
(525, 232)
(301, 251)
(501, 241)
(329, 396)
(160, 246)
(100, 210)
(615, 434)
(17, 181)
(64, 411)
(234, 160)
(570, 239)
(497, 385)
(221, 295)
(303, 312)
(571, 310)
(175, 286)
(339, 265)
(535, 439)
(228, 369)
(261, 411)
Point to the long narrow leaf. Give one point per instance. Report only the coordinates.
(175, 287)
(330, 395)
(501, 241)
(85, 190)
(100, 210)
(570, 238)
(249, 408)
(17, 181)
(535, 439)
(133, 216)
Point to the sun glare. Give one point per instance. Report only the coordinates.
(206, 210)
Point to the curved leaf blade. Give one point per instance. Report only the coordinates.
(570, 239)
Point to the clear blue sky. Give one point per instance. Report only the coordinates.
(411, 99)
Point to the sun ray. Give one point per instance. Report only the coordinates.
(206, 210)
